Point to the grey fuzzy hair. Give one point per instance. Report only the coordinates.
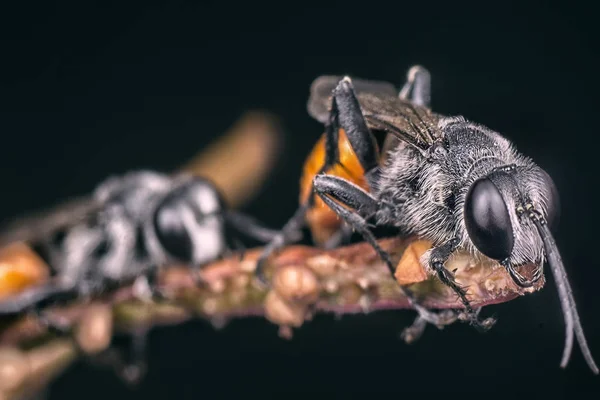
(415, 186)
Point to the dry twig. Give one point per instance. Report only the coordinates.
(305, 280)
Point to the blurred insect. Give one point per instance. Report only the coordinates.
(451, 181)
(132, 226)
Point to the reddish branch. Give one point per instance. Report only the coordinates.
(305, 280)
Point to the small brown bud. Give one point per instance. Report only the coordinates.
(297, 284)
(322, 265)
(280, 312)
(14, 368)
(409, 269)
(95, 329)
(349, 295)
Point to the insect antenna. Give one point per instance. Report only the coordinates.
(565, 293)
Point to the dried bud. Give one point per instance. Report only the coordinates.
(95, 327)
(280, 312)
(14, 368)
(322, 265)
(409, 269)
(349, 295)
(297, 284)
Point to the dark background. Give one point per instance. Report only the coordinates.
(90, 90)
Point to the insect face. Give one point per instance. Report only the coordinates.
(487, 220)
(188, 223)
(495, 217)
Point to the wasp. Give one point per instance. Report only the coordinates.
(125, 232)
(452, 181)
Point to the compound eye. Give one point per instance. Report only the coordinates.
(171, 231)
(552, 199)
(487, 220)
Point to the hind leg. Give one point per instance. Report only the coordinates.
(128, 362)
(417, 88)
(35, 301)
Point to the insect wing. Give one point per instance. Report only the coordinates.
(383, 110)
(415, 125)
(42, 225)
(319, 102)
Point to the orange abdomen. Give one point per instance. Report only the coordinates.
(20, 268)
(323, 221)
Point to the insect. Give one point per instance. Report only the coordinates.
(454, 182)
(130, 227)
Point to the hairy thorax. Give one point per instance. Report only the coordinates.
(425, 192)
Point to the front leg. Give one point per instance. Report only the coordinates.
(354, 206)
(439, 256)
(145, 287)
(127, 361)
(251, 227)
(282, 238)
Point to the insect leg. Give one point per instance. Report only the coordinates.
(134, 368)
(281, 239)
(417, 88)
(51, 325)
(347, 115)
(415, 331)
(36, 297)
(339, 194)
(253, 228)
(146, 286)
(339, 237)
(438, 258)
(128, 363)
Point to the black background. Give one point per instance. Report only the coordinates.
(90, 90)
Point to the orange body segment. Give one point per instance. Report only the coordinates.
(323, 221)
(20, 268)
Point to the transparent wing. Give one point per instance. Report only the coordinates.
(42, 225)
(415, 125)
(383, 110)
(319, 102)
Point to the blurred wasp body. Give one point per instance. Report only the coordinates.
(133, 225)
(446, 179)
(130, 227)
